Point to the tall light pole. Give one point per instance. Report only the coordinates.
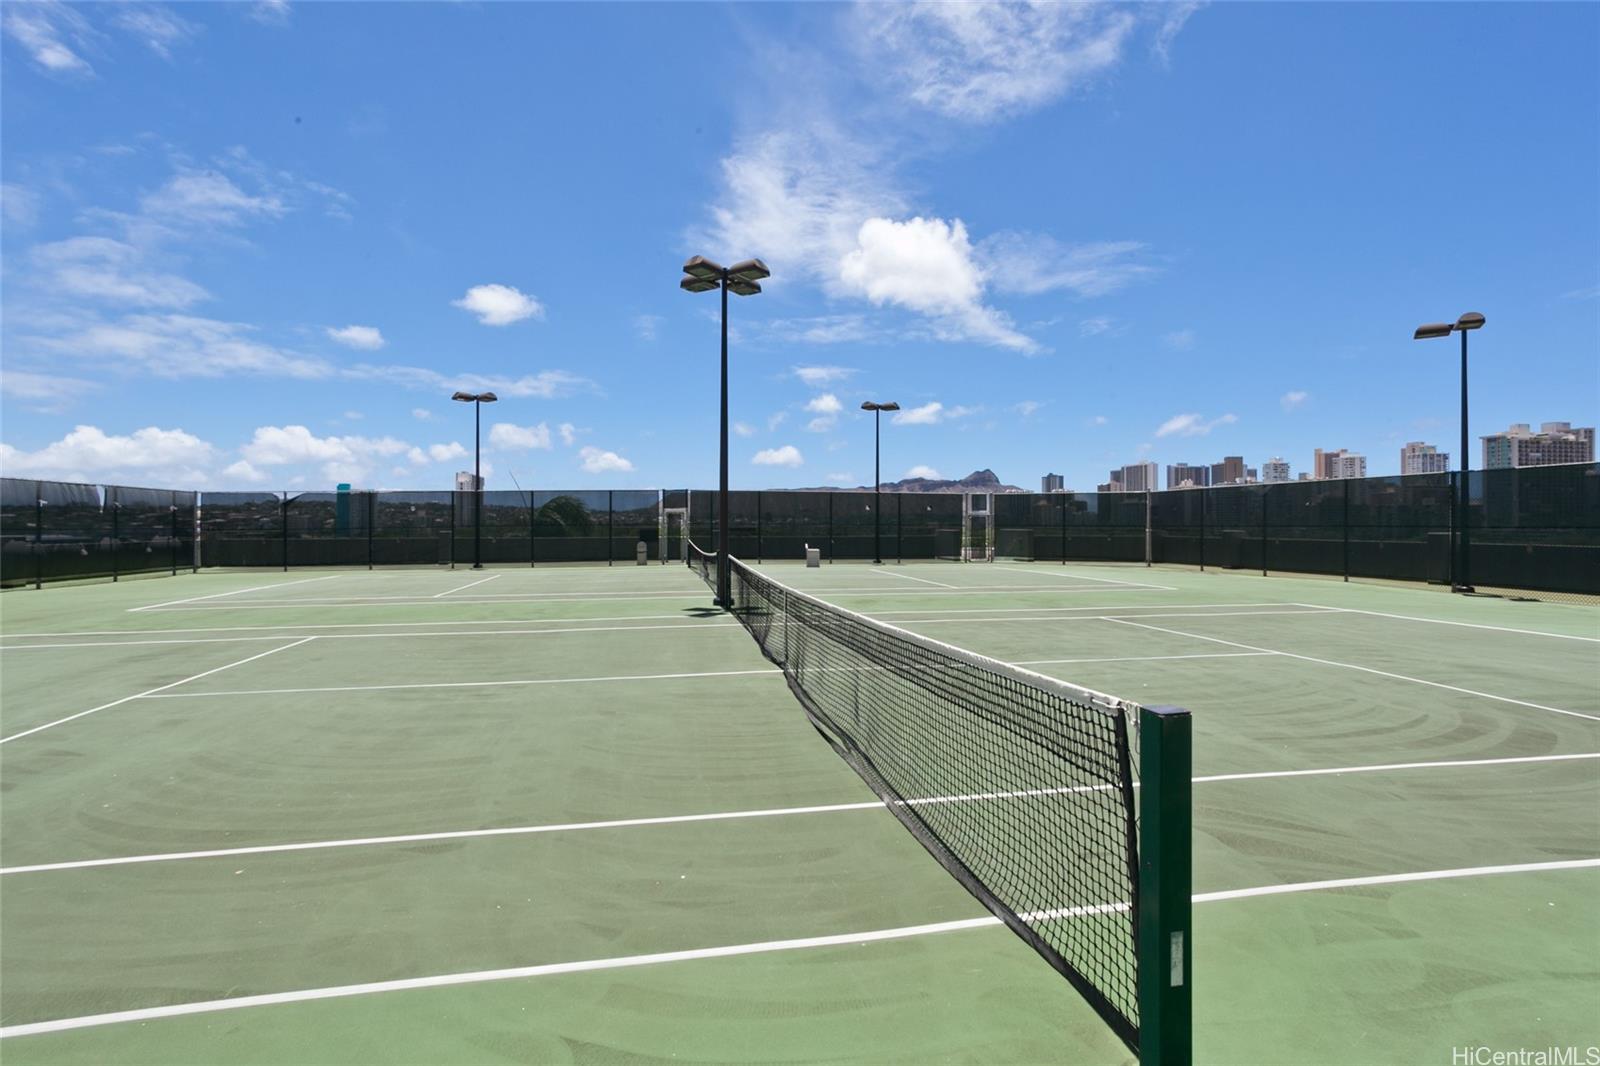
(702, 275)
(877, 410)
(1463, 325)
(477, 400)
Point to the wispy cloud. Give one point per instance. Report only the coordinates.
(366, 338)
(509, 436)
(103, 269)
(271, 12)
(647, 326)
(931, 413)
(1093, 327)
(817, 376)
(924, 471)
(50, 31)
(19, 205)
(159, 28)
(982, 62)
(1032, 263)
(1027, 407)
(1192, 425)
(744, 429)
(1179, 340)
(1293, 399)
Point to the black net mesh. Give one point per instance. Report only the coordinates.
(1020, 785)
(1536, 528)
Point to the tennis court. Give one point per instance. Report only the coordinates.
(573, 814)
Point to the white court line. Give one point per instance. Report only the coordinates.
(153, 691)
(1083, 577)
(463, 588)
(513, 599)
(235, 592)
(390, 636)
(1144, 658)
(175, 1010)
(1099, 617)
(1468, 625)
(896, 612)
(453, 684)
(723, 816)
(1363, 669)
(380, 625)
(908, 577)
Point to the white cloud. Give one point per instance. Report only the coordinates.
(422, 414)
(647, 326)
(775, 420)
(825, 404)
(787, 455)
(1099, 420)
(595, 461)
(1192, 425)
(1180, 340)
(499, 305)
(443, 453)
(925, 472)
(243, 471)
(182, 346)
(927, 265)
(822, 424)
(1032, 263)
(49, 392)
(931, 413)
(354, 416)
(165, 456)
(744, 429)
(366, 338)
(817, 376)
(981, 62)
(209, 198)
(545, 385)
(1093, 327)
(507, 435)
(41, 29)
(271, 12)
(1290, 400)
(104, 269)
(569, 433)
(159, 28)
(19, 205)
(284, 445)
(1027, 408)
(1174, 15)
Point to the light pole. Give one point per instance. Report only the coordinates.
(477, 400)
(740, 279)
(877, 410)
(1462, 581)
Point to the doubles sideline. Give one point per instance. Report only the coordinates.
(729, 950)
(771, 812)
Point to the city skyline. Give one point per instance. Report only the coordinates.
(205, 288)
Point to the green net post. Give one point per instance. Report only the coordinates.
(1165, 952)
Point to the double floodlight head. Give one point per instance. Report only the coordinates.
(870, 406)
(703, 275)
(1470, 320)
(475, 397)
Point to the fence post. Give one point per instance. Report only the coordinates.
(533, 527)
(611, 515)
(1204, 494)
(372, 517)
(830, 529)
(760, 558)
(174, 538)
(1165, 950)
(1265, 489)
(453, 494)
(1063, 498)
(1148, 497)
(38, 538)
(899, 527)
(116, 543)
(284, 532)
(194, 535)
(1345, 505)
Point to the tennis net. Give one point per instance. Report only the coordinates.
(1021, 785)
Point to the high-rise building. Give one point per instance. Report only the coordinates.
(1556, 442)
(1052, 483)
(1326, 464)
(1275, 469)
(1183, 475)
(1230, 471)
(1135, 477)
(1346, 464)
(466, 481)
(1419, 458)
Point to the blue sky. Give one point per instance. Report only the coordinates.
(259, 245)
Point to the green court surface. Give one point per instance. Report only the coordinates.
(573, 815)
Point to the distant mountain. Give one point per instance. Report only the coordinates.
(977, 481)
